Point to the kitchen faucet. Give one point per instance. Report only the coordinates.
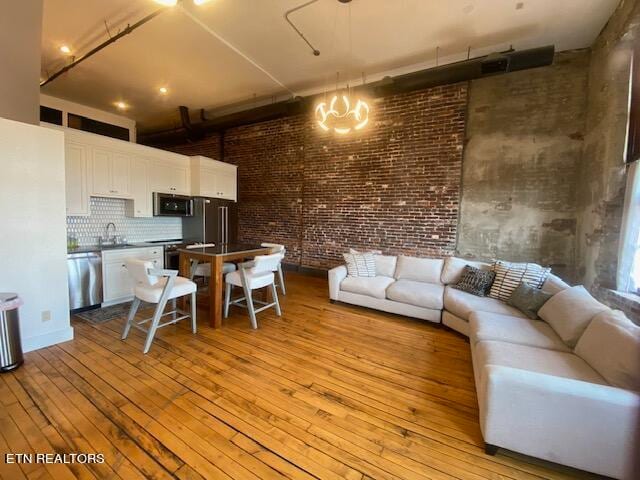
(106, 232)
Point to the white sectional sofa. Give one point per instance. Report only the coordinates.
(565, 389)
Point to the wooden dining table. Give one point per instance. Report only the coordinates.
(216, 256)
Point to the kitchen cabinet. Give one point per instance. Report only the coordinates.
(170, 176)
(212, 178)
(118, 286)
(77, 192)
(140, 204)
(110, 173)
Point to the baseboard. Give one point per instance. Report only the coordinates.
(47, 339)
(310, 271)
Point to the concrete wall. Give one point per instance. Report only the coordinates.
(602, 179)
(20, 40)
(523, 147)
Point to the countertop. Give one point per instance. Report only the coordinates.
(100, 248)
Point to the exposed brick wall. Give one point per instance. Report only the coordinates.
(394, 186)
(270, 159)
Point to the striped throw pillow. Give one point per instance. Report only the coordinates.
(510, 275)
(360, 264)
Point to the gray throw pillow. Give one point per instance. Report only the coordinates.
(475, 281)
(528, 299)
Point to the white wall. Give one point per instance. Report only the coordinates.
(93, 113)
(20, 39)
(33, 248)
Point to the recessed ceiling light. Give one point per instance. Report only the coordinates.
(121, 105)
(65, 49)
(167, 3)
(163, 90)
(519, 5)
(200, 2)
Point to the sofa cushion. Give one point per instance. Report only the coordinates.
(569, 313)
(371, 286)
(507, 328)
(385, 265)
(427, 270)
(427, 295)
(454, 266)
(509, 275)
(554, 284)
(462, 304)
(611, 345)
(540, 360)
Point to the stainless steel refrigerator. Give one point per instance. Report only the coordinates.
(213, 221)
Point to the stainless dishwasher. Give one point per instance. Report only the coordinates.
(85, 279)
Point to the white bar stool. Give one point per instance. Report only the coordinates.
(252, 276)
(204, 269)
(277, 248)
(154, 285)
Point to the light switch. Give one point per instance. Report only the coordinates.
(46, 315)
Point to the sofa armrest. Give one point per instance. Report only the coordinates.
(585, 425)
(336, 275)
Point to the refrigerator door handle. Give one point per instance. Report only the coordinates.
(226, 225)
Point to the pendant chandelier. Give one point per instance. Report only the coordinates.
(344, 112)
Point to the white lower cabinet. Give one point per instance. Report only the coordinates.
(116, 281)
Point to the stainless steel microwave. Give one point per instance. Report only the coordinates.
(171, 205)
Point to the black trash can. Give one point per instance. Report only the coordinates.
(10, 346)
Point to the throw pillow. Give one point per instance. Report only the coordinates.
(569, 313)
(360, 264)
(509, 275)
(475, 281)
(385, 264)
(528, 299)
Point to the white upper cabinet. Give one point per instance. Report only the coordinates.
(110, 172)
(170, 175)
(140, 204)
(105, 167)
(77, 193)
(211, 178)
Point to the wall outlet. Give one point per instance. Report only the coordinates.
(46, 315)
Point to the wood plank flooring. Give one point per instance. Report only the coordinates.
(325, 391)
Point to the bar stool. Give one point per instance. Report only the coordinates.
(252, 276)
(277, 248)
(155, 285)
(204, 269)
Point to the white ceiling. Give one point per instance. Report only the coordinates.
(388, 37)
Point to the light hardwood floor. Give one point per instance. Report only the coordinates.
(325, 391)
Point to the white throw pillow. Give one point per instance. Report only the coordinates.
(569, 313)
(360, 264)
(427, 270)
(611, 345)
(453, 267)
(510, 275)
(385, 265)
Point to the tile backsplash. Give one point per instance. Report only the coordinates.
(105, 210)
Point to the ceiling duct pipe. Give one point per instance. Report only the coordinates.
(494, 64)
(193, 132)
(126, 31)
